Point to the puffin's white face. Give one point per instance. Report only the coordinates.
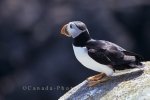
(73, 29)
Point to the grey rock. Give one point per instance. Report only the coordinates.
(131, 84)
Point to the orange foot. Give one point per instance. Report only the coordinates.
(96, 79)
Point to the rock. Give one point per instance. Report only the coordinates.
(127, 85)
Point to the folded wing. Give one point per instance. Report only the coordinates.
(109, 53)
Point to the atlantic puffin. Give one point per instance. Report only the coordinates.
(99, 55)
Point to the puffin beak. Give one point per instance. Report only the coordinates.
(64, 31)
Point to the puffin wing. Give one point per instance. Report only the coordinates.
(128, 54)
(104, 52)
(99, 56)
(109, 53)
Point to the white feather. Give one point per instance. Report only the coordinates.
(82, 56)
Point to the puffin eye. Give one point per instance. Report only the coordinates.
(71, 26)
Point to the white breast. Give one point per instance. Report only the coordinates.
(81, 54)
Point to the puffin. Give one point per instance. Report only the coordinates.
(101, 56)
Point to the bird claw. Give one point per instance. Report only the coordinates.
(94, 80)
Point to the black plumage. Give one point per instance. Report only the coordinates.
(82, 39)
(108, 53)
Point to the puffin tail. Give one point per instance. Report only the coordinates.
(138, 60)
(137, 65)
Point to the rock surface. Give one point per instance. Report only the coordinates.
(128, 85)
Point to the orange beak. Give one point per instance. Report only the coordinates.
(64, 31)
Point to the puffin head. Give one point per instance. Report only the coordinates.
(73, 29)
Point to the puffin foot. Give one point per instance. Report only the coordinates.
(96, 79)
